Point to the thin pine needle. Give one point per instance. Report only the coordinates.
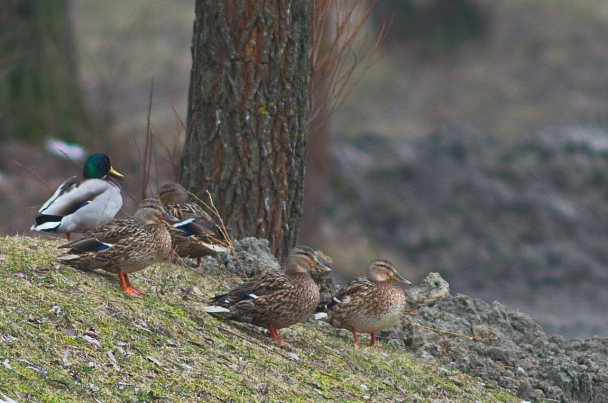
(35, 174)
(475, 338)
(216, 212)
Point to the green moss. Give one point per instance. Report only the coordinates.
(75, 336)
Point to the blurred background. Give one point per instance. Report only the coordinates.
(476, 146)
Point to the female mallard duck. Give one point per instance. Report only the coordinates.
(277, 299)
(369, 305)
(124, 245)
(196, 235)
(174, 196)
(82, 202)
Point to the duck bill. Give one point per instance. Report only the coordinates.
(116, 174)
(400, 279)
(322, 268)
(169, 218)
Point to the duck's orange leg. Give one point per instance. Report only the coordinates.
(198, 262)
(373, 342)
(357, 342)
(126, 286)
(67, 234)
(274, 335)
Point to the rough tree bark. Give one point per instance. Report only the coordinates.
(247, 115)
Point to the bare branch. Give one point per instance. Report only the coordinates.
(147, 147)
(342, 50)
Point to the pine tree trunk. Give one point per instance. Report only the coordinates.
(40, 90)
(247, 115)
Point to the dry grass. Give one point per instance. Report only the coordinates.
(72, 336)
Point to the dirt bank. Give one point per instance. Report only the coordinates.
(501, 346)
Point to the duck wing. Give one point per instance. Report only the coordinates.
(357, 287)
(271, 283)
(104, 236)
(73, 194)
(186, 210)
(198, 226)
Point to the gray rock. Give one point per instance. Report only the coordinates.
(432, 289)
(253, 256)
(507, 348)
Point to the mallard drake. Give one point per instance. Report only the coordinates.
(82, 202)
(124, 245)
(196, 234)
(369, 304)
(277, 299)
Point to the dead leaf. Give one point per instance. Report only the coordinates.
(66, 362)
(94, 342)
(32, 319)
(154, 360)
(68, 332)
(92, 333)
(113, 359)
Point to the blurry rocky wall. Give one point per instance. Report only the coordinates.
(522, 222)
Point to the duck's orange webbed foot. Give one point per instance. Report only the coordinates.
(134, 292)
(126, 286)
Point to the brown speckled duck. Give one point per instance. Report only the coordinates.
(369, 304)
(277, 299)
(124, 245)
(196, 234)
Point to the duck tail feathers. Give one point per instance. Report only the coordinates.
(320, 315)
(216, 309)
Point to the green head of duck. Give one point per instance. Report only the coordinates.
(98, 165)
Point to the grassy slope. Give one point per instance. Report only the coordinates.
(72, 336)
